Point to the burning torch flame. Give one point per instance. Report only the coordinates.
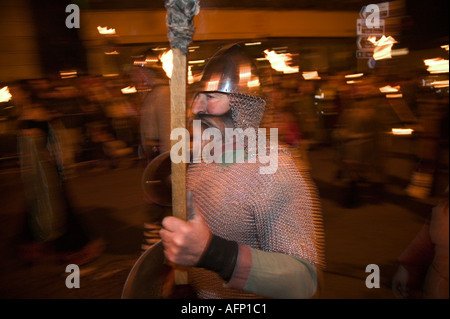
(190, 76)
(394, 96)
(437, 65)
(105, 30)
(68, 74)
(354, 76)
(5, 96)
(313, 75)
(279, 62)
(383, 47)
(129, 90)
(389, 89)
(440, 84)
(167, 62)
(402, 131)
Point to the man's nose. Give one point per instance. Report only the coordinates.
(199, 106)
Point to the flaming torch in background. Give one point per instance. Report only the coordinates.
(5, 95)
(383, 47)
(280, 62)
(436, 65)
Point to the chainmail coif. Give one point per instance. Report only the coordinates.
(247, 110)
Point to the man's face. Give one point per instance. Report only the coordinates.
(214, 112)
(213, 109)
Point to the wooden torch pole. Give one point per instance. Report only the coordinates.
(178, 120)
(180, 14)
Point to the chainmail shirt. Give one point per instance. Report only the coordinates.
(277, 212)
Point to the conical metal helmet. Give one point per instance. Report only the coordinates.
(231, 70)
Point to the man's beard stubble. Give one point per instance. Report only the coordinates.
(209, 121)
(216, 121)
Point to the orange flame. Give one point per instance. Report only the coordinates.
(402, 131)
(5, 96)
(106, 30)
(437, 65)
(167, 62)
(279, 62)
(354, 76)
(389, 89)
(190, 76)
(394, 96)
(440, 84)
(129, 90)
(313, 75)
(383, 47)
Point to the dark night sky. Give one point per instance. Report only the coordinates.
(429, 19)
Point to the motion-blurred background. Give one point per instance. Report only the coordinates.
(366, 107)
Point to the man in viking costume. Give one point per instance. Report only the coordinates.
(249, 234)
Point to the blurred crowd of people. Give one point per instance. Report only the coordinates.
(92, 118)
(355, 114)
(356, 118)
(96, 122)
(57, 124)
